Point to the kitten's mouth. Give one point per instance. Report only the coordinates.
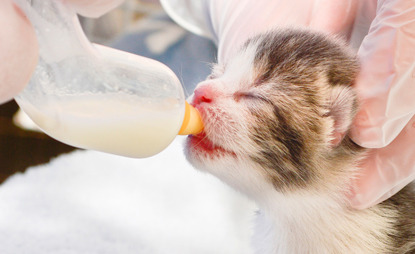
(202, 144)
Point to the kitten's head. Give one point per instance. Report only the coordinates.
(277, 112)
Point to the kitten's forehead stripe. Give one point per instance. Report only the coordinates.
(300, 58)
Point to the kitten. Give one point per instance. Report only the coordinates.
(276, 120)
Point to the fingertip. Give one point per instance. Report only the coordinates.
(367, 194)
(19, 50)
(341, 15)
(359, 202)
(355, 198)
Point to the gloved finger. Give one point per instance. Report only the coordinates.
(18, 50)
(386, 81)
(234, 22)
(372, 197)
(386, 170)
(93, 8)
(335, 17)
(394, 190)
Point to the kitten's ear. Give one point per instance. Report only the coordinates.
(342, 109)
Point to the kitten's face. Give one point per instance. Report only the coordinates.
(268, 112)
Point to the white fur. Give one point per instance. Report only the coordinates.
(306, 223)
(95, 203)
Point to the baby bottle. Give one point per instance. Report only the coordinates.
(94, 97)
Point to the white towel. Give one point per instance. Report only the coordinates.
(91, 202)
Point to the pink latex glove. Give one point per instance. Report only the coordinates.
(18, 50)
(386, 85)
(18, 44)
(229, 23)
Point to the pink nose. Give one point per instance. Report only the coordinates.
(203, 94)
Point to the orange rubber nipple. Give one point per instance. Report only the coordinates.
(192, 122)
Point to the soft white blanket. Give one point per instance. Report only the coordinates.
(90, 202)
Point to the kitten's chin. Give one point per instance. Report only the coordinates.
(201, 147)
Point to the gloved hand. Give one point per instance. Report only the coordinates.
(229, 23)
(387, 170)
(18, 44)
(18, 50)
(384, 33)
(386, 86)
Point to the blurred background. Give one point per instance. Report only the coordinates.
(137, 26)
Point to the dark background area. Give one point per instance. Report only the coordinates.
(20, 149)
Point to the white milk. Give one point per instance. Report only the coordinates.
(114, 125)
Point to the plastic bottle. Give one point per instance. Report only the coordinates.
(94, 97)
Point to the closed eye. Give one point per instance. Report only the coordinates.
(251, 96)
